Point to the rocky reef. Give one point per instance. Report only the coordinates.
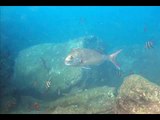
(7, 104)
(137, 95)
(41, 69)
(97, 100)
(44, 84)
(91, 101)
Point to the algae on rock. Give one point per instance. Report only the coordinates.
(95, 100)
(138, 95)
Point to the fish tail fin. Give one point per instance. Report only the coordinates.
(112, 58)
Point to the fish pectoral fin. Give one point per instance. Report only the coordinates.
(86, 68)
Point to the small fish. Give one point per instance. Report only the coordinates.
(48, 84)
(119, 73)
(149, 45)
(82, 57)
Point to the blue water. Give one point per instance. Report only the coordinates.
(126, 27)
(116, 25)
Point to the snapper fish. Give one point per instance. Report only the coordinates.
(83, 57)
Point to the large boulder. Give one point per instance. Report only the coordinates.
(7, 104)
(138, 95)
(40, 70)
(97, 100)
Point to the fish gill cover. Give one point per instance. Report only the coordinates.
(35, 41)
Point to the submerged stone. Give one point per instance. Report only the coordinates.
(89, 101)
(7, 104)
(92, 101)
(40, 70)
(138, 95)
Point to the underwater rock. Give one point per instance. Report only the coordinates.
(137, 95)
(93, 42)
(90, 101)
(40, 70)
(97, 100)
(6, 70)
(30, 105)
(7, 104)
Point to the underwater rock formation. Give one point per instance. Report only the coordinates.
(97, 100)
(138, 95)
(40, 70)
(90, 101)
(6, 69)
(7, 104)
